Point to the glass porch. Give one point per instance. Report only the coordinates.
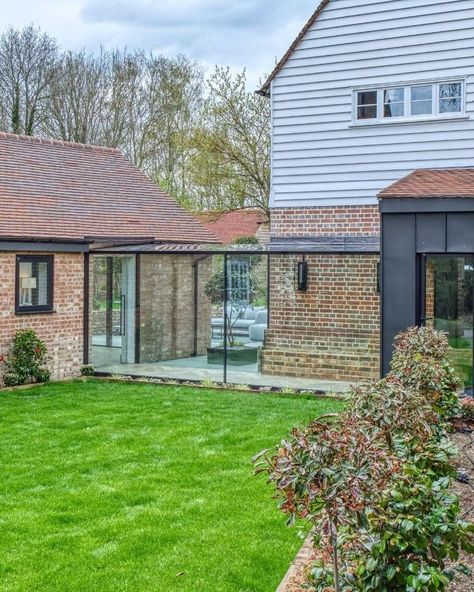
(200, 317)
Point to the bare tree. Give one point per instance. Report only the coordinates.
(28, 64)
(234, 139)
(78, 98)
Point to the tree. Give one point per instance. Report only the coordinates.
(28, 64)
(233, 144)
(78, 98)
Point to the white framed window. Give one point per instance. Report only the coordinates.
(409, 102)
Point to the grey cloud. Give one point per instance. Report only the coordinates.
(189, 15)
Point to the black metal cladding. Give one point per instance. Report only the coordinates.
(412, 228)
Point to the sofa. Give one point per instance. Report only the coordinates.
(249, 322)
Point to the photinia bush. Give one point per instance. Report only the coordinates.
(374, 481)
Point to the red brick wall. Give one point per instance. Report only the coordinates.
(332, 331)
(62, 330)
(327, 221)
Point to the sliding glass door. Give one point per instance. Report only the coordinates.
(448, 306)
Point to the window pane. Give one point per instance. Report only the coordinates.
(450, 105)
(394, 110)
(421, 93)
(448, 91)
(33, 282)
(422, 108)
(394, 95)
(367, 112)
(367, 97)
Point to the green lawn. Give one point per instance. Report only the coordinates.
(118, 487)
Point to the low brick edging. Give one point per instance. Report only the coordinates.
(296, 569)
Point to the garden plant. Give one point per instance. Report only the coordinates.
(26, 362)
(374, 481)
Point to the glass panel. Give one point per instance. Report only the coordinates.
(394, 105)
(449, 307)
(367, 105)
(367, 112)
(422, 93)
(422, 100)
(33, 283)
(422, 107)
(450, 98)
(113, 312)
(181, 327)
(248, 317)
(367, 97)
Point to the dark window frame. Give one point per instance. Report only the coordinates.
(35, 309)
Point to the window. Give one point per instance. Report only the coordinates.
(34, 283)
(428, 100)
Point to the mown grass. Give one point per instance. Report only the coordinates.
(118, 487)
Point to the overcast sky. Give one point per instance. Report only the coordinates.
(239, 33)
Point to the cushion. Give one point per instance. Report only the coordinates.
(261, 318)
(257, 332)
(250, 313)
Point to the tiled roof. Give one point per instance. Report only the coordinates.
(230, 226)
(265, 89)
(430, 183)
(61, 190)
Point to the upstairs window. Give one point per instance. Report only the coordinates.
(34, 283)
(409, 102)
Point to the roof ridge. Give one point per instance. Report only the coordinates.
(56, 142)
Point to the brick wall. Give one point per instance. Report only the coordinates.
(62, 331)
(332, 331)
(166, 307)
(327, 221)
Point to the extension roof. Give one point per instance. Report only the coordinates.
(50, 189)
(432, 183)
(265, 89)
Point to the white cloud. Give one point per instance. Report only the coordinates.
(249, 33)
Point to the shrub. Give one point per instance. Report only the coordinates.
(27, 359)
(374, 482)
(467, 409)
(87, 370)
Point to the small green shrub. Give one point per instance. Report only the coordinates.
(26, 362)
(87, 370)
(11, 379)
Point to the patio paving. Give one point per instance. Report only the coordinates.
(197, 369)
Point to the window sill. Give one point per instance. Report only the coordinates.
(34, 312)
(408, 121)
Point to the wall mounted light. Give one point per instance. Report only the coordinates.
(302, 276)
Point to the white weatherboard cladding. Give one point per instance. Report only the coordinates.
(318, 157)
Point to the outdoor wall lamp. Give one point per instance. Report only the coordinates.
(302, 276)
